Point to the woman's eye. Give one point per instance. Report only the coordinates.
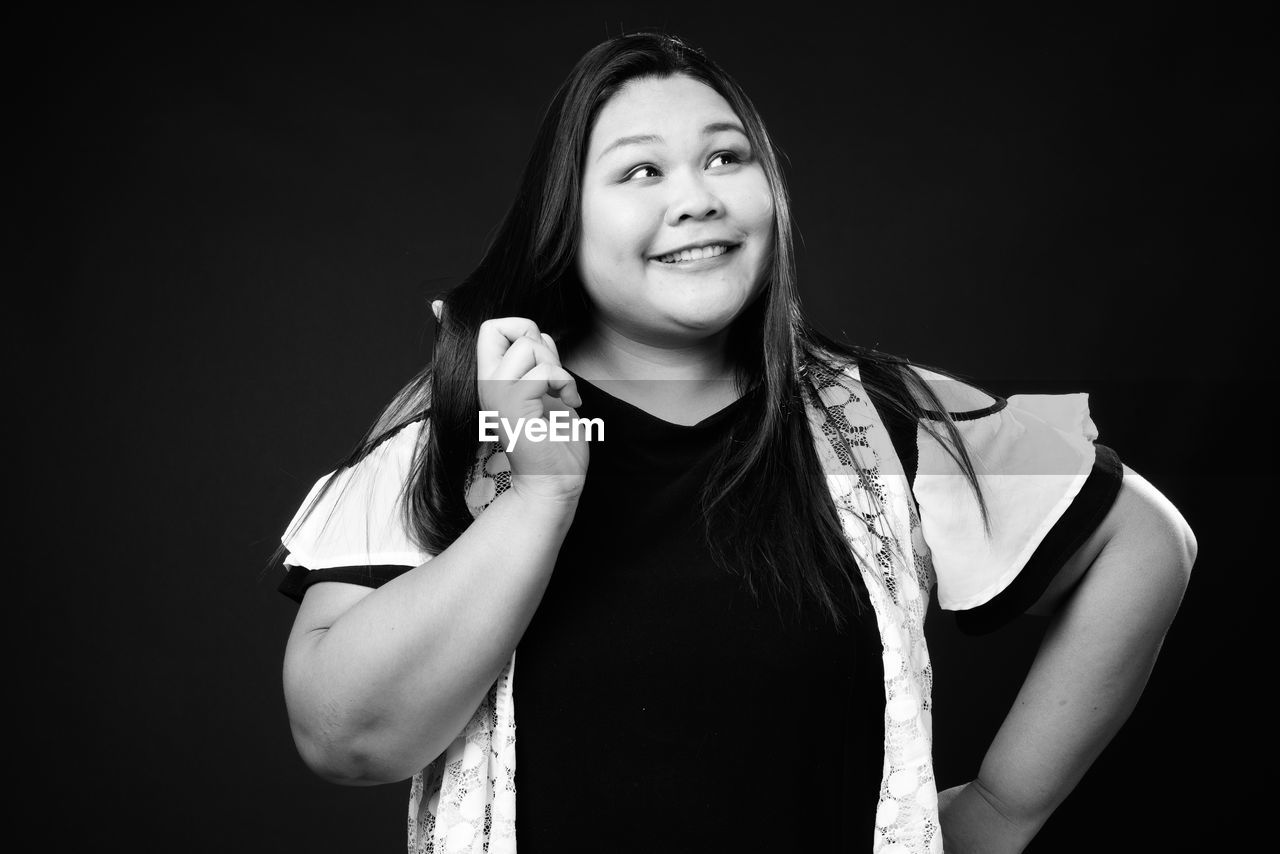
(731, 158)
(634, 172)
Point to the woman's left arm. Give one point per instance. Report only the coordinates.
(1111, 606)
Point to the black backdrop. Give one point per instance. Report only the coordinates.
(238, 220)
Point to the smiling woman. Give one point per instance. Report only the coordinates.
(723, 605)
(677, 219)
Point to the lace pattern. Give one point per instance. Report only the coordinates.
(465, 801)
(883, 529)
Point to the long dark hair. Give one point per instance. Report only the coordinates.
(528, 270)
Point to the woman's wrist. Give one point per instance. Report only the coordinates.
(546, 497)
(974, 822)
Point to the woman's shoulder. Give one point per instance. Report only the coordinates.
(358, 504)
(880, 374)
(388, 462)
(399, 439)
(378, 473)
(960, 398)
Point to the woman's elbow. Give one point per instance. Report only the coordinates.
(338, 760)
(328, 739)
(348, 733)
(344, 749)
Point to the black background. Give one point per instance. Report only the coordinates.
(239, 216)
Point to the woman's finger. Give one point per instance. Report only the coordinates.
(558, 381)
(561, 390)
(551, 342)
(521, 357)
(495, 337)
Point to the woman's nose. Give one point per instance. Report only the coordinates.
(693, 199)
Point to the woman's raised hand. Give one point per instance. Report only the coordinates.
(519, 376)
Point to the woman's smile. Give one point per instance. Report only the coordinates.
(697, 260)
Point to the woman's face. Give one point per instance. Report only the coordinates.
(669, 166)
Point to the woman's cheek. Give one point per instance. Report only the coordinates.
(761, 205)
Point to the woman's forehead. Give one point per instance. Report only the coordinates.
(650, 109)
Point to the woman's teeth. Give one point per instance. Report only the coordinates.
(694, 254)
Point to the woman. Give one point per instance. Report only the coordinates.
(718, 606)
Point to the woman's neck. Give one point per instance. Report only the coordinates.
(607, 355)
(679, 383)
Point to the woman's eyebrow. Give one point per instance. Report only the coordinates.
(637, 139)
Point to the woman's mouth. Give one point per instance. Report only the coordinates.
(707, 256)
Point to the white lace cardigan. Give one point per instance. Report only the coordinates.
(1032, 453)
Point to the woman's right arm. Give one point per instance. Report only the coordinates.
(378, 682)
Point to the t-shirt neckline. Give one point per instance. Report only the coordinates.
(597, 395)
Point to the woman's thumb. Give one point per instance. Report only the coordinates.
(437, 306)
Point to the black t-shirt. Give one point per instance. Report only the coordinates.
(658, 706)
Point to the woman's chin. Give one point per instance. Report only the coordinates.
(711, 308)
(700, 323)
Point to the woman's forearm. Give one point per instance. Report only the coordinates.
(383, 690)
(1092, 666)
